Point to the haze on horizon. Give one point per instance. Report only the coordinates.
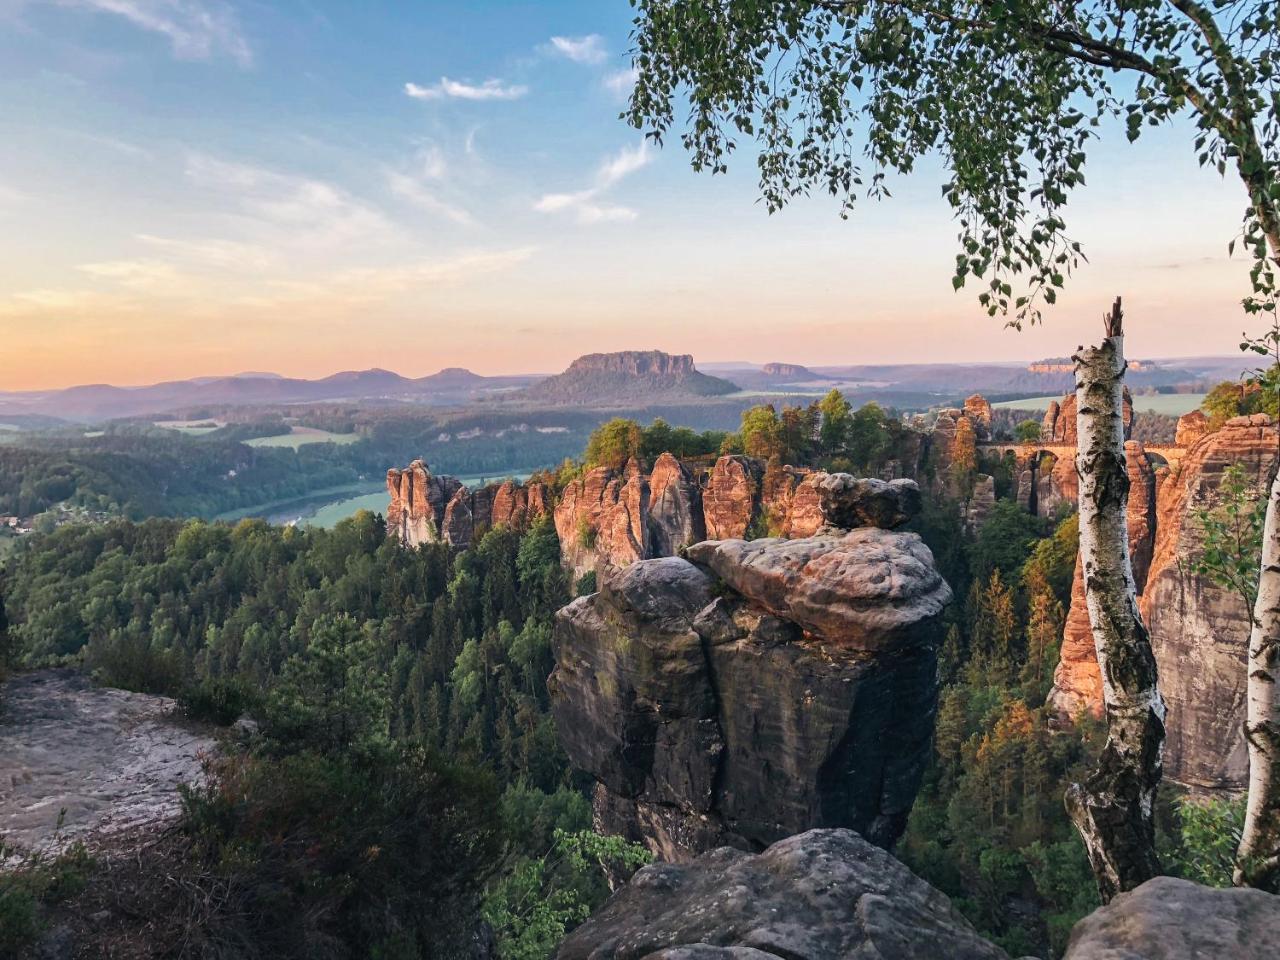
(213, 186)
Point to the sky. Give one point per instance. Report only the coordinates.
(198, 187)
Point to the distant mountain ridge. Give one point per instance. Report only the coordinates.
(101, 401)
(629, 376)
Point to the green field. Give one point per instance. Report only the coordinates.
(1171, 404)
(192, 428)
(303, 435)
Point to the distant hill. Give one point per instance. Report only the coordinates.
(632, 376)
(96, 402)
(788, 372)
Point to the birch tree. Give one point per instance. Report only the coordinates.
(839, 95)
(1112, 809)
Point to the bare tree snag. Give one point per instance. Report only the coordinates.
(1258, 859)
(1112, 809)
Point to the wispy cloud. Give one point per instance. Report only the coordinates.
(588, 49)
(301, 209)
(222, 254)
(413, 190)
(153, 276)
(587, 205)
(492, 89)
(196, 29)
(620, 82)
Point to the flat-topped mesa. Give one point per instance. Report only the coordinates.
(635, 363)
(759, 690)
(426, 508)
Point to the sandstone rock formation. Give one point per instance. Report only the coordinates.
(788, 371)
(978, 409)
(762, 689)
(980, 503)
(106, 760)
(1060, 420)
(731, 500)
(628, 376)
(602, 519)
(1198, 631)
(1191, 427)
(426, 508)
(418, 500)
(675, 507)
(1077, 681)
(822, 895)
(1178, 920)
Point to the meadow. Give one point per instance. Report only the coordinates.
(1170, 404)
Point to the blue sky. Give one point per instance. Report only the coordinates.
(204, 186)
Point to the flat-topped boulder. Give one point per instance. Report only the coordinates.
(866, 589)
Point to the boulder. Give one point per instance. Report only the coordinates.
(1171, 919)
(822, 895)
(867, 589)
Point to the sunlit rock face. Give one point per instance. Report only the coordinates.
(426, 508)
(755, 689)
(1199, 632)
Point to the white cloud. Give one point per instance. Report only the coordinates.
(416, 193)
(196, 29)
(585, 205)
(588, 49)
(620, 82)
(492, 89)
(431, 163)
(150, 275)
(299, 210)
(226, 254)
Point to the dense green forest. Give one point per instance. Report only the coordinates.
(403, 702)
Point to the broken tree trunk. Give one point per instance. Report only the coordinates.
(1258, 859)
(1112, 809)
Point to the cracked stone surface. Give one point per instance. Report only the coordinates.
(111, 759)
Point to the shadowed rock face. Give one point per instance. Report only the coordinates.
(675, 507)
(822, 895)
(783, 685)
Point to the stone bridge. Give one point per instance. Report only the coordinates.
(1170, 453)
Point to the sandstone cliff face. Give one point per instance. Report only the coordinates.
(1077, 681)
(763, 688)
(1060, 420)
(436, 509)
(675, 507)
(1199, 632)
(731, 500)
(602, 519)
(1191, 427)
(418, 501)
(978, 409)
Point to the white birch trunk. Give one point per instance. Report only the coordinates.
(1112, 810)
(1258, 859)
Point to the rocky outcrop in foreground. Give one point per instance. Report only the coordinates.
(758, 688)
(1173, 919)
(822, 895)
(830, 895)
(109, 760)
